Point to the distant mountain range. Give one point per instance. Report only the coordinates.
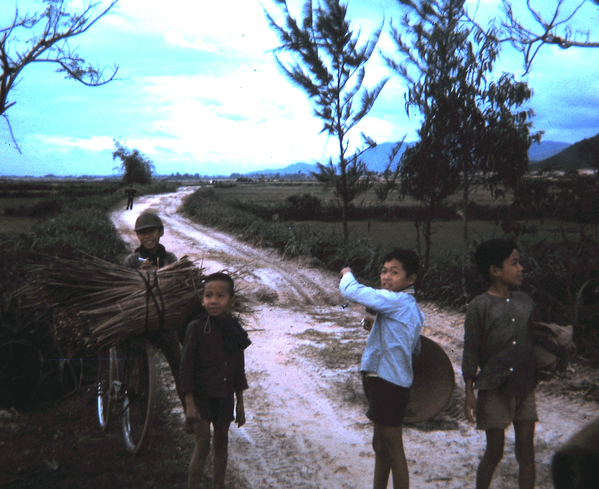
(554, 154)
(545, 149)
(574, 157)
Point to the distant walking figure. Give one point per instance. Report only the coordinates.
(130, 192)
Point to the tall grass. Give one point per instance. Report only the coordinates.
(267, 226)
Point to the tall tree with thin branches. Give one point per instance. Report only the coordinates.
(327, 62)
(474, 124)
(43, 37)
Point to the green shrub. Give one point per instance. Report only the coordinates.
(305, 207)
(45, 208)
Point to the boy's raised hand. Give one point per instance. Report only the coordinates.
(148, 265)
(344, 271)
(367, 322)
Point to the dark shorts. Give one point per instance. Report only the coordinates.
(217, 410)
(386, 401)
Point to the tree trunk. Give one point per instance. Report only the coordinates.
(344, 218)
(427, 238)
(465, 210)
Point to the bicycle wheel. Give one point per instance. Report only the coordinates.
(106, 376)
(139, 382)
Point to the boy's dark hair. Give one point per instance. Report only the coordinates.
(221, 277)
(493, 252)
(409, 260)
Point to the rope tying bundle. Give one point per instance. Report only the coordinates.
(153, 294)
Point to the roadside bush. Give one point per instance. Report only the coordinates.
(568, 199)
(32, 367)
(161, 186)
(44, 208)
(305, 207)
(452, 282)
(30, 364)
(81, 230)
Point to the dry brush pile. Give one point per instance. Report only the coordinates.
(95, 304)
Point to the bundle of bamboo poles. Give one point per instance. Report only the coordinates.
(96, 304)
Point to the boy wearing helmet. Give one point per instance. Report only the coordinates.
(151, 255)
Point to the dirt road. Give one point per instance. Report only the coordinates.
(306, 425)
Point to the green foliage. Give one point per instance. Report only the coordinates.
(135, 166)
(45, 208)
(329, 66)
(160, 187)
(304, 207)
(566, 199)
(84, 230)
(472, 125)
(428, 176)
(29, 361)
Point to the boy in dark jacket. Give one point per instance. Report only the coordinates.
(212, 373)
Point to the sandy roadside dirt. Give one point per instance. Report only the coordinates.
(306, 424)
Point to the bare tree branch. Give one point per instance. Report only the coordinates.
(12, 136)
(555, 29)
(43, 37)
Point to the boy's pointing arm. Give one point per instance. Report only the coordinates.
(378, 300)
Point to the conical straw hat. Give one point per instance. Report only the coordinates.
(433, 383)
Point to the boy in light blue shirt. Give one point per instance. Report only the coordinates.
(387, 359)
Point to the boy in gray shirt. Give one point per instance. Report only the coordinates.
(498, 361)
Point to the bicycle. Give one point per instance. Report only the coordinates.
(126, 387)
(127, 376)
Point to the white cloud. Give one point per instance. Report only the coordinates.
(64, 143)
(226, 25)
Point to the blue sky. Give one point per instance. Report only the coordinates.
(199, 92)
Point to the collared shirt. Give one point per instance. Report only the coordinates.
(498, 340)
(209, 366)
(395, 333)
